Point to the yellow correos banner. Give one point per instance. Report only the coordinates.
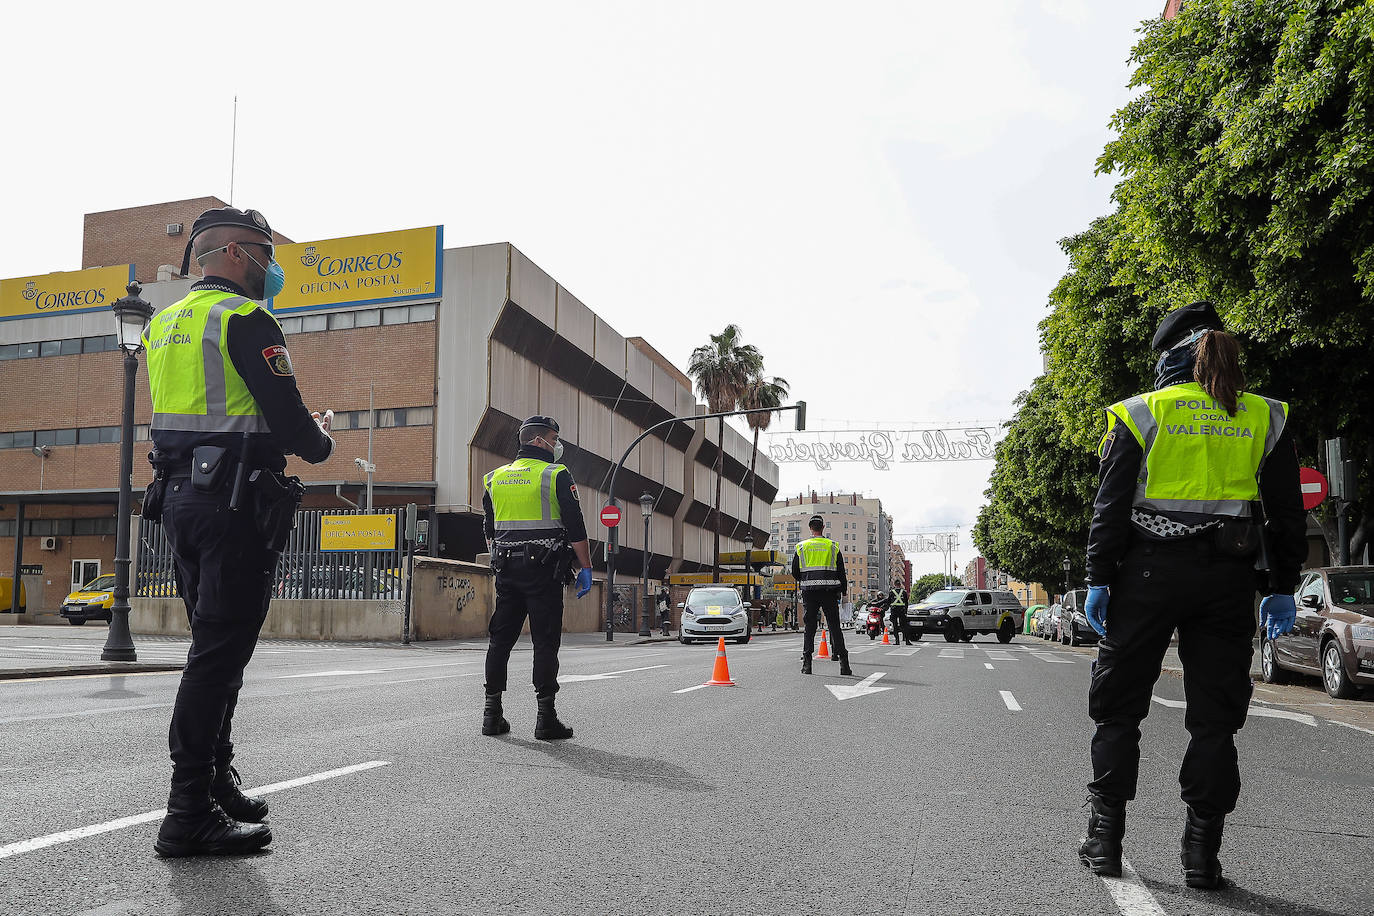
(64, 292)
(725, 579)
(357, 532)
(362, 270)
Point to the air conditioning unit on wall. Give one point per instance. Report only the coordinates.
(48, 543)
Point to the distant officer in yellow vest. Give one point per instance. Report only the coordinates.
(818, 567)
(1173, 545)
(535, 526)
(218, 370)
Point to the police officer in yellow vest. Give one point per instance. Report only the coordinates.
(1179, 541)
(535, 526)
(818, 567)
(226, 412)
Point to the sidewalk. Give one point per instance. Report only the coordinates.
(32, 651)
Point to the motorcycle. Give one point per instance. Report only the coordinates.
(873, 626)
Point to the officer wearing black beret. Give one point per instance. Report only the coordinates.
(535, 526)
(226, 412)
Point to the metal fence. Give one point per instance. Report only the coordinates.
(304, 570)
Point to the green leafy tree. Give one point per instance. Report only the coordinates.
(924, 586)
(723, 369)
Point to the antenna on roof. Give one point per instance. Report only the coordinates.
(233, 150)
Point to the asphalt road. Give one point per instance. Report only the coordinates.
(951, 784)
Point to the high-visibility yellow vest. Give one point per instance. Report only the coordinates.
(523, 500)
(819, 562)
(194, 384)
(1198, 458)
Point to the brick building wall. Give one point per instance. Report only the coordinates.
(139, 235)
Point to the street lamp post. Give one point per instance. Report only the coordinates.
(131, 319)
(42, 451)
(646, 508)
(1067, 566)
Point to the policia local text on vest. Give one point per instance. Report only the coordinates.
(818, 567)
(535, 526)
(1189, 473)
(226, 412)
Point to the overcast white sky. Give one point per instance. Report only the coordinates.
(872, 191)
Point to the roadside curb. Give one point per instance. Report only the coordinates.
(13, 674)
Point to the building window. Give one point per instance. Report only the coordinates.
(312, 323)
(21, 440)
(369, 318)
(290, 325)
(45, 437)
(50, 348)
(398, 315)
(93, 345)
(9, 351)
(70, 346)
(341, 321)
(426, 312)
(28, 351)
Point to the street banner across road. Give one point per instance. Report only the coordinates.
(1314, 487)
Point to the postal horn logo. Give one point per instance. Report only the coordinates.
(30, 291)
(310, 257)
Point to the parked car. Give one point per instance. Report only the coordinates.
(91, 601)
(1074, 629)
(7, 595)
(1333, 637)
(712, 611)
(1048, 627)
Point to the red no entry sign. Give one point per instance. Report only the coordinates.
(610, 516)
(1314, 487)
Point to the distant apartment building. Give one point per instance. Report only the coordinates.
(857, 523)
(1171, 8)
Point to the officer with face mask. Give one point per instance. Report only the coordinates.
(1189, 471)
(535, 526)
(226, 412)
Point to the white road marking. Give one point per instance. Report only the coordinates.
(83, 712)
(999, 655)
(1052, 659)
(860, 650)
(690, 689)
(1132, 897)
(1367, 731)
(609, 675)
(1262, 711)
(81, 833)
(904, 652)
(341, 672)
(863, 688)
(1010, 700)
(987, 665)
(951, 653)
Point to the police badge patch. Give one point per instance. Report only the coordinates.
(278, 360)
(1106, 445)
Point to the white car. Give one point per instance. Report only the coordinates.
(711, 611)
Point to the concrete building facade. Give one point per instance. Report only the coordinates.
(451, 369)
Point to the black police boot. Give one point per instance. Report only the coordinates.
(806, 664)
(844, 666)
(493, 722)
(227, 794)
(196, 826)
(546, 726)
(1101, 848)
(1198, 850)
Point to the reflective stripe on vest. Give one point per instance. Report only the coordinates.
(1199, 459)
(819, 563)
(522, 496)
(194, 384)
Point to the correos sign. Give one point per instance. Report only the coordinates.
(67, 291)
(386, 267)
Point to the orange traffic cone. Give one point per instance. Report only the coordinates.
(720, 677)
(886, 641)
(824, 651)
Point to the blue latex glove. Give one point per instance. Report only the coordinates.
(584, 581)
(1278, 613)
(1096, 608)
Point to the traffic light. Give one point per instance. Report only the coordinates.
(801, 416)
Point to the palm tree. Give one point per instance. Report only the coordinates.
(759, 393)
(722, 369)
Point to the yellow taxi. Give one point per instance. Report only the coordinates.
(91, 601)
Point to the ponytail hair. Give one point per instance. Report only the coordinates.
(1217, 369)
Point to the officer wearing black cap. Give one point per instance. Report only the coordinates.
(534, 523)
(226, 412)
(818, 567)
(1198, 505)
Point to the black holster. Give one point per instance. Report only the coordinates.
(274, 500)
(1238, 537)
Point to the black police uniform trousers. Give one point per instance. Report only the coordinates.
(894, 620)
(1209, 598)
(225, 575)
(526, 588)
(814, 603)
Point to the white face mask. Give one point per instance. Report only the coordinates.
(557, 448)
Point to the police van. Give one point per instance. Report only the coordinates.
(962, 613)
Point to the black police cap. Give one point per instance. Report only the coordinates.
(544, 422)
(224, 216)
(1184, 320)
(815, 520)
